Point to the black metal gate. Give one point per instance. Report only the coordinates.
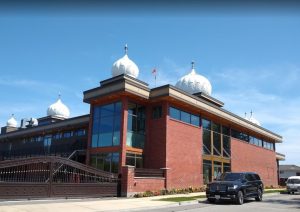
(54, 177)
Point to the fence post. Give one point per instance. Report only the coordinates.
(50, 178)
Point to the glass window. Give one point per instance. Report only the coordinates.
(206, 124)
(226, 167)
(206, 142)
(217, 169)
(225, 131)
(135, 160)
(107, 110)
(106, 126)
(174, 113)
(207, 171)
(217, 143)
(136, 126)
(226, 146)
(216, 127)
(106, 161)
(67, 134)
(195, 120)
(185, 117)
(80, 132)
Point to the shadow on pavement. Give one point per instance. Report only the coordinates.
(294, 201)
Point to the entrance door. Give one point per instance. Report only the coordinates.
(217, 169)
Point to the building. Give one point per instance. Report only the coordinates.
(286, 171)
(180, 130)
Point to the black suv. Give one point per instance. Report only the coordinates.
(236, 187)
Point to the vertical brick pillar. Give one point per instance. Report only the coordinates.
(127, 181)
(89, 137)
(166, 175)
(123, 135)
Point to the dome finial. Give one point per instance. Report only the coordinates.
(59, 95)
(193, 64)
(126, 48)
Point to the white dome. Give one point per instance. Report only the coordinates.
(58, 109)
(194, 83)
(12, 122)
(125, 66)
(254, 121)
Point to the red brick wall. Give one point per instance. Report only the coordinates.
(131, 185)
(248, 157)
(155, 146)
(155, 152)
(147, 184)
(184, 155)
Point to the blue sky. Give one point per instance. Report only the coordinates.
(252, 59)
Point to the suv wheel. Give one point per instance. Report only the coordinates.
(211, 200)
(259, 195)
(240, 198)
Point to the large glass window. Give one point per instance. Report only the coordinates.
(106, 161)
(135, 160)
(207, 171)
(106, 125)
(268, 145)
(47, 143)
(240, 135)
(216, 139)
(184, 116)
(136, 126)
(213, 136)
(206, 142)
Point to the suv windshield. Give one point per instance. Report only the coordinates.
(231, 177)
(293, 181)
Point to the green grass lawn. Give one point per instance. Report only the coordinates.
(182, 199)
(266, 191)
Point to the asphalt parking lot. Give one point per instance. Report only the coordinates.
(273, 202)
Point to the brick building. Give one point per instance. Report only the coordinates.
(180, 130)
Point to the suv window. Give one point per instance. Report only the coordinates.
(256, 177)
(231, 176)
(249, 177)
(293, 181)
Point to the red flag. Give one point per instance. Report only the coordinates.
(154, 71)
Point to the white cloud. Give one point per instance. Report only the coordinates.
(278, 111)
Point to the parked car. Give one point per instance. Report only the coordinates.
(293, 184)
(236, 187)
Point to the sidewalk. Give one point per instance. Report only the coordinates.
(89, 205)
(92, 204)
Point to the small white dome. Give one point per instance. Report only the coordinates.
(12, 122)
(194, 83)
(252, 119)
(125, 66)
(58, 109)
